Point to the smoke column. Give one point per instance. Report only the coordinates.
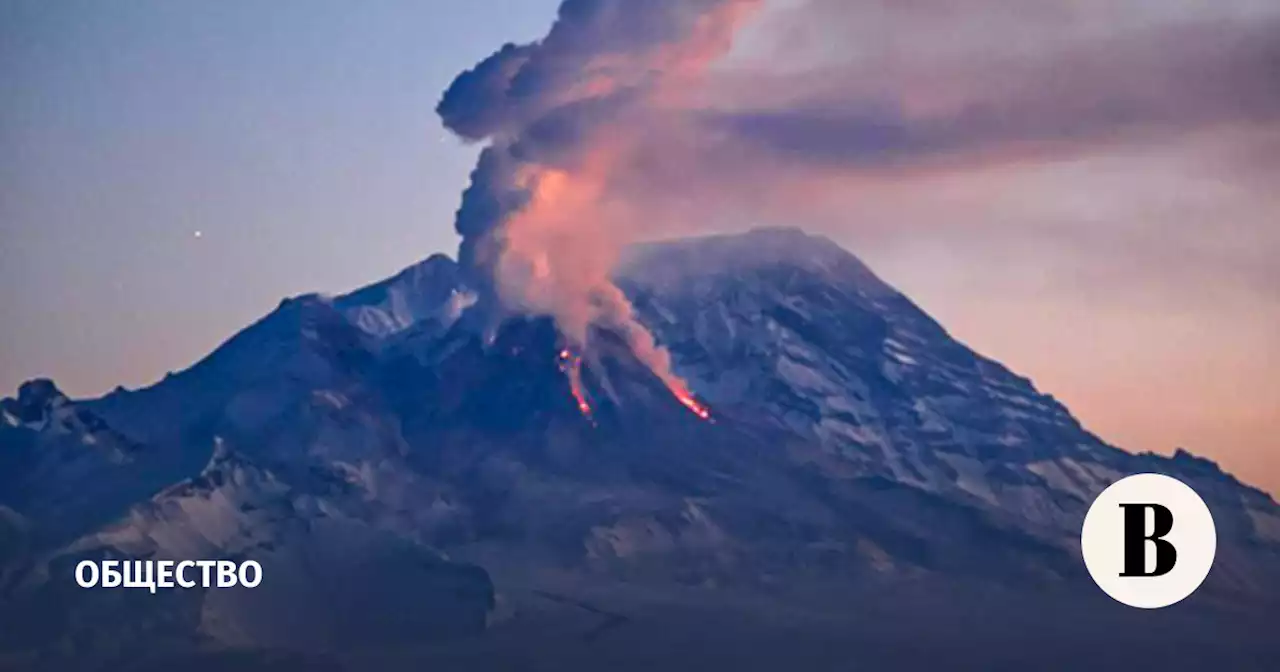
(560, 117)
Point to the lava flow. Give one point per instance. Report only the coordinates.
(571, 365)
(692, 404)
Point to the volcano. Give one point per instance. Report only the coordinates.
(420, 492)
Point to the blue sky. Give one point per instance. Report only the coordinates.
(298, 137)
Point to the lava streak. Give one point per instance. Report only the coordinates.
(692, 404)
(571, 366)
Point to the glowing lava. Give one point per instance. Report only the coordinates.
(692, 404)
(571, 366)
(575, 385)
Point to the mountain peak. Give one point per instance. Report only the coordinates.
(855, 444)
(432, 270)
(704, 257)
(37, 398)
(429, 288)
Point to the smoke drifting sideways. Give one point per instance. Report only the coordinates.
(560, 118)
(634, 119)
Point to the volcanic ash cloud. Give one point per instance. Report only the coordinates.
(561, 119)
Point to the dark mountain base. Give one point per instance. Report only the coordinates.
(567, 625)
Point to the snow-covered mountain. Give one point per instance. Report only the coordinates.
(856, 455)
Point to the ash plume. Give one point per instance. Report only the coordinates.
(637, 119)
(541, 229)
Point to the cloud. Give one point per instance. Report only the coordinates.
(1124, 88)
(983, 122)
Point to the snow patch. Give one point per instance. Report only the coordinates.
(930, 420)
(1055, 475)
(838, 432)
(803, 377)
(1265, 525)
(971, 477)
(902, 358)
(332, 399)
(458, 303)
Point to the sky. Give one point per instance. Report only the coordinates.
(1085, 191)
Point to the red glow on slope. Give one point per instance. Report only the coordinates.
(692, 404)
(575, 386)
(571, 366)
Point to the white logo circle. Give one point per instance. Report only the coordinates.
(1148, 541)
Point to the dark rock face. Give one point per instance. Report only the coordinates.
(409, 482)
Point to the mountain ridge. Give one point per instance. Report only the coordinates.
(852, 444)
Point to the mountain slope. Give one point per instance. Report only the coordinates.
(855, 451)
